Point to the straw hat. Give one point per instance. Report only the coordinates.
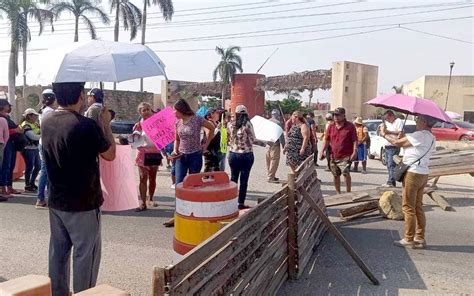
(358, 120)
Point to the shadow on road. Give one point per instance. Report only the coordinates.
(331, 271)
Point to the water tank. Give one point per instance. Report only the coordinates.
(243, 92)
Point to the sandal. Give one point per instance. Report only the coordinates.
(169, 223)
(141, 208)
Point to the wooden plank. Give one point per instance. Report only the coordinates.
(304, 176)
(340, 238)
(194, 258)
(225, 280)
(280, 277)
(158, 282)
(275, 255)
(447, 171)
(292, 243)
(359, 208)
(360, 214)
(440, 201)
(236, 250)
(308, 250)
(306, 241)
(452, 160)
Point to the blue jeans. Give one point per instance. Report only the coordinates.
(240, 166)
(43, 177)
(188, 164)
(391, 151)
(9, 161)
(32, 165)
(222, 157)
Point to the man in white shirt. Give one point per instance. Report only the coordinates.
(393, 126)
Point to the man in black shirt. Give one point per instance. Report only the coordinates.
(72, 145)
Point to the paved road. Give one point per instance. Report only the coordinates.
(134, 242)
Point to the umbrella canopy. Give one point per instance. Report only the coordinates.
(411, 105)
(95, 61)
(453, 115)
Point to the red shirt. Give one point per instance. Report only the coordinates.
(341, 140)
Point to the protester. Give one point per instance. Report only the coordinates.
(95, 101)
(298, 145)
(329, 121)
(418, 147)
(48, 101)
(30, 153)
(72, 145)
(4, 136)
(171, 163)
(241, 137)
(188, 150)
(313, 127)
(212, 156)
(342, 137)
(393, 126)
(273, 150)
(15, 143)
(362, 139)
(148, 160)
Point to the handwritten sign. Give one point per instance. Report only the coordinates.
(117, 178)
(160, 128)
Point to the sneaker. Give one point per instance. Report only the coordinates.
(274, 180)
(404, 243)
(387, 185)
(30, 189)
(34, 187)
(41, 205)
(419, 244)
(173, 186)
(364, 172)
(243, 207)
(354, 170)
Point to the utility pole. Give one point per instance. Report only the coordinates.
(451, 65)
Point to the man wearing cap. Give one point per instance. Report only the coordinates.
(342, 137)
(393, 126)
(72, 145)
(95, 102)
(273, 150)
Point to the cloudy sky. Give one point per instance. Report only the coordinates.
(406, 39)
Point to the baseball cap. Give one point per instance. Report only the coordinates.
(275, 112)
(241, 109)
(97, 93)
(328, 116)
(339, 110)
(30, 111)
(48, 93)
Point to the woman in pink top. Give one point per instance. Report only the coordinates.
(148, 160)
(4, 134)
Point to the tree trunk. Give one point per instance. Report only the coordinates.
(25, 44)
(310, 97)
(143, 36)
(12, 73)
(223, 96)
(116, 30)
(76, 29)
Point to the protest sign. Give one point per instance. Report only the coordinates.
(160, 128)
(265, 130)
(117, 179)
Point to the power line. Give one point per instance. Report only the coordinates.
(104, 29)
(436, 35)
(224, 37)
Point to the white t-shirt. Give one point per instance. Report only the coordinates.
(395, 126)
(421, 141)
(47, 110)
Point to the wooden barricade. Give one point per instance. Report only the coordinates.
(256, 253)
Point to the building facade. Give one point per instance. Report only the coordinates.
(353, 84)
(433, 87)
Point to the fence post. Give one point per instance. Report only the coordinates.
(292, 239)
(158, 281)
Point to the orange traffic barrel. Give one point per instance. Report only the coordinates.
(203, 201)
(19, 169)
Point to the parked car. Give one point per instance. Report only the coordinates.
(377, 143)
(456, 131)
(372, 125)
(122, 127)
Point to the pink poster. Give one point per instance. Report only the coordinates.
(119, 186)
(160, 128)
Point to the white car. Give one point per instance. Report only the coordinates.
(377, 143)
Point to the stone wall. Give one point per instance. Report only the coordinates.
(124, 103)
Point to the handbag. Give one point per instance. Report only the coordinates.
(152, 159)
(401, 168)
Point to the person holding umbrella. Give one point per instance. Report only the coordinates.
(418, 149)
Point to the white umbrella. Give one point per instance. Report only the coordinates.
(453, 115)
(94, 61)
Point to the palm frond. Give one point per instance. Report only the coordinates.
(104, 18)
(166, 8)
(90, 26)
(61, 7)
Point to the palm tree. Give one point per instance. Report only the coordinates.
(130, 14)
(167, 9)
(228, 66)
(398, 89)
(79, 8)
(18, 13)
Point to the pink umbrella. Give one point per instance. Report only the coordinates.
(411, 105)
